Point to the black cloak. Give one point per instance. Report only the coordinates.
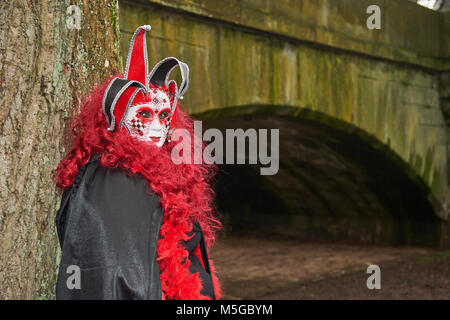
(108, 226)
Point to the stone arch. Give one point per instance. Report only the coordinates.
(335, 181)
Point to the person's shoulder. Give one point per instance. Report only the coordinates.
(115, 180)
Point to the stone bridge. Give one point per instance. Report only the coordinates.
(361, 113)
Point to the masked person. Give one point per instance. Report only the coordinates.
(133, 224)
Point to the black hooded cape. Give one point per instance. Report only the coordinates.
(108, 226)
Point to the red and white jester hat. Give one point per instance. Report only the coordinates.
(121, 92)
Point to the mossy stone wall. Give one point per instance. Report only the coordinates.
(314, 55)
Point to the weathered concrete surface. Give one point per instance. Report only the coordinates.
(288, 57)
(444, 19)
(409, 33)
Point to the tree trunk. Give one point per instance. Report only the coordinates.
(46, 65)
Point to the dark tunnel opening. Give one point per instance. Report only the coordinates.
(331, 185)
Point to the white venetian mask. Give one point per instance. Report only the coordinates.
(150, 121)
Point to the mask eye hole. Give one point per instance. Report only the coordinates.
(147, 114)
(164, 114)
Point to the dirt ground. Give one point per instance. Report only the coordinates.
(255, 267)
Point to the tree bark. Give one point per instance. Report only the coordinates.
(46, 65)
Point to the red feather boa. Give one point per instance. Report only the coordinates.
(184, 190)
